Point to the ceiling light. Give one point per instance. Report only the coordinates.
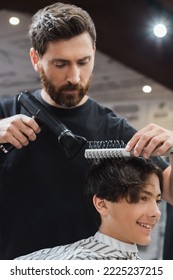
(147, 89)
(160, 30)
(14, 20)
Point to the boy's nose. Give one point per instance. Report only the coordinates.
(154, 211)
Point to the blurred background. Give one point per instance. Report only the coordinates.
(133, 73)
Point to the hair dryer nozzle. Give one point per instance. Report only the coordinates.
(71, 143)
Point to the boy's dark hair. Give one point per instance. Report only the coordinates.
(116, 179)
(59, 21)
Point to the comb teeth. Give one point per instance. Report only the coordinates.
(106, 144)
(100, 150)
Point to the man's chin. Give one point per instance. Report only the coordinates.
(68, 99)
(69, 92)
(68, 104)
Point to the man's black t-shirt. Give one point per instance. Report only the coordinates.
(42, 201)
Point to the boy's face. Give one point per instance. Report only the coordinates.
(133, 223)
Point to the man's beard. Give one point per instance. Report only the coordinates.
(60, 95)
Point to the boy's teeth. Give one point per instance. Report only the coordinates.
(145, 225)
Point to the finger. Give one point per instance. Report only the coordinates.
(19, 133)
(139, 142)
(133, 141)
(26, 133)
(14, 142)
(163, 147)
(29, 128)
(16, 137)
(150, 136)
(30, 122)
(158, 144)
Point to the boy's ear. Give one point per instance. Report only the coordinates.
(35, 59)
(101, 205)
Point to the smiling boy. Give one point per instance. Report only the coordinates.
(128, 206)
(126, 194)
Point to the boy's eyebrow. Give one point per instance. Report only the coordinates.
(151, 194)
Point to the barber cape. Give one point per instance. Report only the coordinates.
(97, 247)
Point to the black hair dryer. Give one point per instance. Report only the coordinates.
(70, 142)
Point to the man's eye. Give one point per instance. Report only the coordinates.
(59, 65)
(83, 62)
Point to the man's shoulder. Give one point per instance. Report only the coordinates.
(8, 99)
(9, 105)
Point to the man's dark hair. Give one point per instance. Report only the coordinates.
(116, 179)
(59, 21)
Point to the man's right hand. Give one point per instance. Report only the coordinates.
(18, 130)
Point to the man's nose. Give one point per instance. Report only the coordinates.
(73, 75)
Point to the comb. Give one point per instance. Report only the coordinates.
(111, 149)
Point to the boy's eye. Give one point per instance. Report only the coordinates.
(143, 198)
(159, 201)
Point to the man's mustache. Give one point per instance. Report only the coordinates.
(71, 87)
